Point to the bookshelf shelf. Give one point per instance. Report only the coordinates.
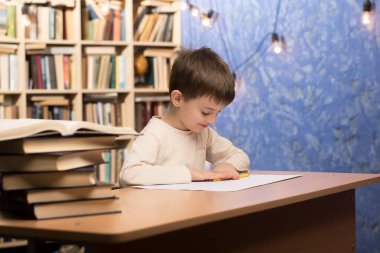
(150, 91)
(51, 42)
(11, 92)
(9, 41)
(103, 43)
(106, 91)
(36, 92)
(155, 44)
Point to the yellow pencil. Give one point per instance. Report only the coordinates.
(243, 173)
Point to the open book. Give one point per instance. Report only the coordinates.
(20, 128)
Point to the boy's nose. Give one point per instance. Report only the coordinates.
(212, 120)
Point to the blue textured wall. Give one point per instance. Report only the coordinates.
(314, 108)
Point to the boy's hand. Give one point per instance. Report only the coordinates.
(203, 175)
(227, 170)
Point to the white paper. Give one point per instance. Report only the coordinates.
(223, 186)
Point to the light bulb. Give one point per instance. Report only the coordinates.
(277, 48)
(209, 19)
(367, 13)
(276, 45)
(194, 11)
(366, 18)
(206, 21)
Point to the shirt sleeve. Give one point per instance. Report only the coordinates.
(221, 150)
(141, 166)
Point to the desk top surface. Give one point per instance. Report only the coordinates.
(151, 212)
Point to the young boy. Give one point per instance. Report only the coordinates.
(174, 148)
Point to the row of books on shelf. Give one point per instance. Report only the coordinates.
(99, 26)
(49, 112)
(104, 72)
(104, 113)
(54, 175)
(153, 27)
(49, 22)
(7, 21)
(9, 71)
(109, 171)
(145, 110)
(51, 71)
(58, 107)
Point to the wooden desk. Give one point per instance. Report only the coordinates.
(312, 213)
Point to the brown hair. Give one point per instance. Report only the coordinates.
(202, 72)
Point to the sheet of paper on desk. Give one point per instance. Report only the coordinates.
(224, 186)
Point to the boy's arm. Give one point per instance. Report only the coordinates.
(221, 151)
(140, 166)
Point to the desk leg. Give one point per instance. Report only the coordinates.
(325, 224)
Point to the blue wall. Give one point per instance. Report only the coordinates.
(314, 108)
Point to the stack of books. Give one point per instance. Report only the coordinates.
(47, 168)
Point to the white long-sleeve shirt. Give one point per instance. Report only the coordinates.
(162, 153)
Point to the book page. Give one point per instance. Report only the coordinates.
(253, 180)
(20, 128)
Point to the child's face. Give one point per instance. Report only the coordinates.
(197, 114)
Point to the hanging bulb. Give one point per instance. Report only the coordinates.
(276, 44)
(194, 10)
(366, 15)
(209, 19)
(205, 20)
(25, 16)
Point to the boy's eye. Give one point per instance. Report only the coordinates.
(206, 113)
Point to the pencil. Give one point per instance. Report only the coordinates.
(242, 173)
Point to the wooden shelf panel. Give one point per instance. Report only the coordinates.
(155, 44)
(34, 92)
(9, 41)
(96, 91)
(103, 43)
(150, 91)
(51, 42)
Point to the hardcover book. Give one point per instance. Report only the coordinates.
(61, 161)
(20, 128)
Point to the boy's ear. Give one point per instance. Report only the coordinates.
(176, 98)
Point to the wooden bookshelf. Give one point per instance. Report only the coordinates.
(80, 63)
(29, 89)
(38, 46)
(55, 59)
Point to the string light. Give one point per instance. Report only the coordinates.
(209, 19)
(367, 13)
(193, 10)
(276, 44)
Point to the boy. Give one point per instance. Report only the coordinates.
(174, 148)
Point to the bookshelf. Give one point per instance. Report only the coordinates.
(74, 62)
(66, 53)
